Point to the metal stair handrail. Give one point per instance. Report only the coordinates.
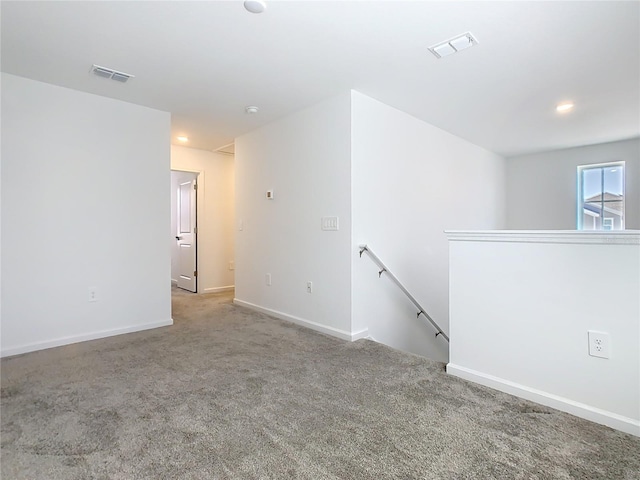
(384, 269)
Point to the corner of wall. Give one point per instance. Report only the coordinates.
(305, 159)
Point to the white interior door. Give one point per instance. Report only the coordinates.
(186, 235)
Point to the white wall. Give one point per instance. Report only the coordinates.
(305, 159)
(521, 306)
(216, 214)
(411, 181)
(85, 203)
(541, 187)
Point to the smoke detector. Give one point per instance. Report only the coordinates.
(255, 6)
(251, 109)
(456, 44)
(110, 73)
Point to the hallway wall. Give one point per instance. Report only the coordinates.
(85, 206)
(216, 215)
(411, 181)
(541, 187)
(305, 159)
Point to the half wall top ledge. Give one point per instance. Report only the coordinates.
(621, 237)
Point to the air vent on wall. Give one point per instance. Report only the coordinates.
(112, 74)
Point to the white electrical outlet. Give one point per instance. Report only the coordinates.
(309, 287)
(93, 294)
(599, 344)
(267, 279)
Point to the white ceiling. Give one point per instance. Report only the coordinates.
(205, 61)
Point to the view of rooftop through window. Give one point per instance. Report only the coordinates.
(601, 197)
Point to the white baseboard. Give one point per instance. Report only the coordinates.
(597, 415)
(364, 333)
(58, 342)
(318, 327)
(228, 288)
(174, 282)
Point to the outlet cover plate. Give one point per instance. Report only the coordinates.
(599, 344)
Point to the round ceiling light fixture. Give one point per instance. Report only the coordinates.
(255, 6)
(564, 107)
(251, 109)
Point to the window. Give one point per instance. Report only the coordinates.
(601, 196)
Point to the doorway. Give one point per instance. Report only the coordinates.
(184, 229)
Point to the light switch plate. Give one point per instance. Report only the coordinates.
(330, 223)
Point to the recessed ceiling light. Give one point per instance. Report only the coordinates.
(564, 107)
(182, 138)
(251, 109)
(255, 6)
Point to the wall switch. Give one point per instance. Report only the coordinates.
(232, 265)
(267, 279)
(309, 287)
(93, 294)
(599, 344)
(240, 225)
(270, 194)
(330, 223)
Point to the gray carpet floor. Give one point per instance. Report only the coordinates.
(227, 393)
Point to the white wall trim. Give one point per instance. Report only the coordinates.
(174, 282)
(228, 288)
(58, 342)
(621, 237)
(364, 333)
(334, 332)
(613, 420)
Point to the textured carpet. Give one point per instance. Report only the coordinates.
(227, 393)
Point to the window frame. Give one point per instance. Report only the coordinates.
(580, 189)
(608, 225)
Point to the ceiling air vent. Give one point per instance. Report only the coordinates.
(454, 45)
(109, 73)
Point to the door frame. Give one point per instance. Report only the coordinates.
(199, 214)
